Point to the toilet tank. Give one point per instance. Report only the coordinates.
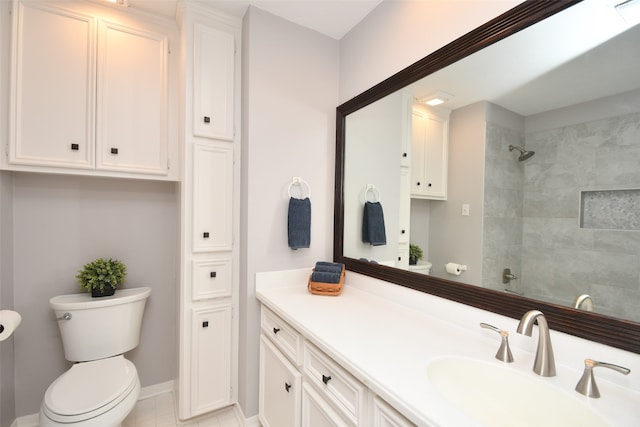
(95, 328)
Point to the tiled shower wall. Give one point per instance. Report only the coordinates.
(503, 199)
(559, 259)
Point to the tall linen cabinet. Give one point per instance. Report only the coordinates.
(210, 206)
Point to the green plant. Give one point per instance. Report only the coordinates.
(415, 252)
(102, 273)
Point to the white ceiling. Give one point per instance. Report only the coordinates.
(333, 18)
(536, 70)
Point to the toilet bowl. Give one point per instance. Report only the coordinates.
(102, 388)
(100, 393)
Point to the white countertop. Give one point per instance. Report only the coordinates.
(385, 335)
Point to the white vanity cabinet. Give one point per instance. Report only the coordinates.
(89, 92)
(429, 153)
(209, 203)
(300, 385)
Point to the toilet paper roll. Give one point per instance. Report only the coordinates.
(455, 269)
(9, 321)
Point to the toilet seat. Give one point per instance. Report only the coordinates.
(90, 389)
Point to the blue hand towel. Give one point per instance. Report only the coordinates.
(299, 223)
(373, 231)
(325, 277)
(331, 267)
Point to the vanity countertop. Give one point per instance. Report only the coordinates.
(386, 335)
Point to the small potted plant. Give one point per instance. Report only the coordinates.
(101, 276)
(415, 254)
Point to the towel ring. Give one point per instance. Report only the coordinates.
(299, 181)
(374, 190)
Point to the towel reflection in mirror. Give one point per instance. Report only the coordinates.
(373, 230)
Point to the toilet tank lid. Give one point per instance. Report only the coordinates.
(84, 300)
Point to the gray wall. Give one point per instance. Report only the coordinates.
(373, 156)
(7, 395)
(62, 222)
(452, 236)
(290, 86)
(7, 383)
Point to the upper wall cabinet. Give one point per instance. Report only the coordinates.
(132, 99)
(213, 74)
(89, 93)
(429, 154)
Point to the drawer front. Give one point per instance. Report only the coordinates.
(287, 339)
(212, 278)
(385, 416)
(339, 387)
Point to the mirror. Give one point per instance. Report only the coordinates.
(481, 170)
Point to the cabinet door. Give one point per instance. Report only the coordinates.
(212, 197)
(210, 358)
(418, 136)
(280, 388)
(316, 412)
(429, 155)
(132, 106)
(213, 83)
(436, 157)
(53, 87)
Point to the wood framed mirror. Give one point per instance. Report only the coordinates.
(605, 329)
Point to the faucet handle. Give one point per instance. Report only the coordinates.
(504, 352)
(587, 384)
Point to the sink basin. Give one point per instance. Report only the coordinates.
(502, 396)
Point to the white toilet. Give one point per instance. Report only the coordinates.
(422, 267)
(103, 387)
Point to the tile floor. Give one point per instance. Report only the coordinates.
(159, 411)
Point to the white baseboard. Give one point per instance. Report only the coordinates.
(244, 421)
(32, 420)
(155, 390)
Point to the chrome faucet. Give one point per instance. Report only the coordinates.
(544, 363)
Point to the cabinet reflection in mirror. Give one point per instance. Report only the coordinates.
(509, 157)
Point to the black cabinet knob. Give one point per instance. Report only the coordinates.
(205, 324)
(403, 232)
(114, 150)
(207, 119)
(212, 274)
(326, 379)
(205, 234)
(75, 147)
(418, 184)
(404, 154)
(276, 330)
(429, 184)
(287, 387)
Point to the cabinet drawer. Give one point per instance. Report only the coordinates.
(316, 412)
(338, 386)
(287, 339)
(212, 278)
(385, 416)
